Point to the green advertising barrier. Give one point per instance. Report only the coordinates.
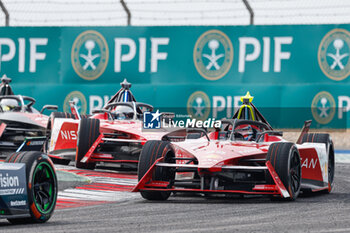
(283, 107)
(210, 55)
(294, 72)
(30, 55)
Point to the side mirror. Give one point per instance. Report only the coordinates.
(49, 107)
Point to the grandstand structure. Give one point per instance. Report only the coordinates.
(172, 12)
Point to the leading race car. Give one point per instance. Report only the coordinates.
(19, 120)
(244, 156)
(112, 136)
(28, 188)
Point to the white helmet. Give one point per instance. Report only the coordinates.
(123, 112)
(8, 104)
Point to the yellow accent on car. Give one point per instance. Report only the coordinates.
(247, 96)
(246, 106)
(246, 100)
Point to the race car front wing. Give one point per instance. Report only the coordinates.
(91, 156)
(148, 184)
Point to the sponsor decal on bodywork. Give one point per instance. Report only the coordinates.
(13, 189)
(18, 203)
(314, 161)
(64, 134)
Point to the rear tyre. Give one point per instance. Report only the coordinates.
(327, 140)
(285, 159)
(41, 185)
(88, 132)
(152, 151)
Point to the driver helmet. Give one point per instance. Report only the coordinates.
(8, 104)
(248, 133)
(123, 113)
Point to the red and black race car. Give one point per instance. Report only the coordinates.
(112, 136)
(20, 121)
(244, 156)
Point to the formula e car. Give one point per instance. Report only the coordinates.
(28, 188)
(112, 136)
(19, 120)
(244, 156)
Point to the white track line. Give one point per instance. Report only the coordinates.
(82, 194)
(342, 158)
(89, 192)
(109, 180)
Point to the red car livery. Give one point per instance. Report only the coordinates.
(244, 156)
(112, 135)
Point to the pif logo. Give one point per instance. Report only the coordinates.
(323, 107)
(79, 100)
(198, 105)
(213, 54)
(90, 55)
(333, 54)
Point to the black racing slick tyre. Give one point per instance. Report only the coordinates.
(327, 140)
(41, 185)
(151, 151)
(88, 132)
(285, 159)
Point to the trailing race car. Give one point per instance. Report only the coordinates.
(112, 136)
(244, 156)
(28, 188)
(19, 120)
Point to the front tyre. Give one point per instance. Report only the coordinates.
(151, 151)
(41, 185)
(88, 132)
(285, 159)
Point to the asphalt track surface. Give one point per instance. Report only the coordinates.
(316, 213)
